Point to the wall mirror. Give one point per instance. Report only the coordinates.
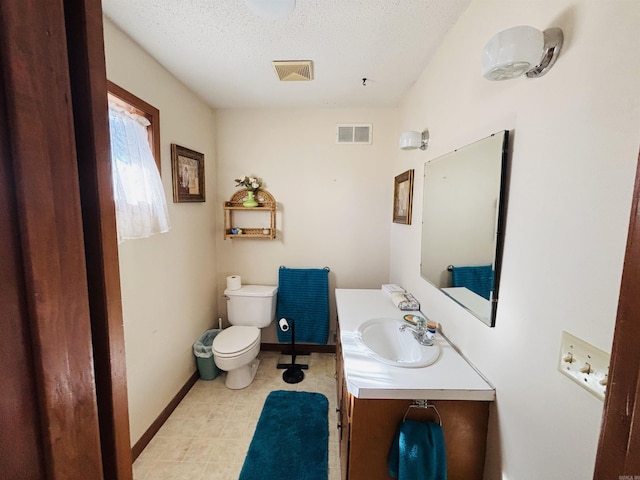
(463, 224)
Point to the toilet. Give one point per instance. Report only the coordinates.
(249, 308)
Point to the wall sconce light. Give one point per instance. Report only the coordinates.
(413, 140)
(521, 50)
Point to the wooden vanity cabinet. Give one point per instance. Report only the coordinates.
(368, 427)
(342, 410)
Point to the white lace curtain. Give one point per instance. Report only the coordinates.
(141, 206)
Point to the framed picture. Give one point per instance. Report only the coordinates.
(187, 168)
(403, 198)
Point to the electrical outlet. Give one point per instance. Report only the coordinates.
(585, 364)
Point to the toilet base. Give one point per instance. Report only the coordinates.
(242, 377)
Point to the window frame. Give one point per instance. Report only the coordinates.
(134, 104)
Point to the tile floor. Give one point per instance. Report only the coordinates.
(208, 435)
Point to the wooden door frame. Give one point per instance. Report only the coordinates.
(44, 169)
(619, 446)
(57, 147)
(85, 46)
(19, 413)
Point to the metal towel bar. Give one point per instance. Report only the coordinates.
(325, 268)
(422, 404)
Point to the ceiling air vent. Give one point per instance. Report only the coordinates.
(294, 70)
(354, 133)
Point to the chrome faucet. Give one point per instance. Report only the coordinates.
(420, 332)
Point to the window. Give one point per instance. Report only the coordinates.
(121, 97)
(141, 207)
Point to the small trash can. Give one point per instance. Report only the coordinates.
(204, 355)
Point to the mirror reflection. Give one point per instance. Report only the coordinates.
(461, 218)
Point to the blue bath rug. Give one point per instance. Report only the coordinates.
(291, 441)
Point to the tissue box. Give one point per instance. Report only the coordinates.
(410, 304)
(405, 301)
(389, 288)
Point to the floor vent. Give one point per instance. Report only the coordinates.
(294, 70)
(354, 133)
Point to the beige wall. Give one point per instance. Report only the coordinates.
(575, 138)
(334, 209)
(334, 201)
(168, 281)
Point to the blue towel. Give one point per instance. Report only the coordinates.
(418, 452)
(303, 296)
(477, 279)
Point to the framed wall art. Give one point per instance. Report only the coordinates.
(187, 168)
(403, 198)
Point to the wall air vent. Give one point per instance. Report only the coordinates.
(294, 70)
(354, 133)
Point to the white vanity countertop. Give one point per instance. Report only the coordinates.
(450, 378)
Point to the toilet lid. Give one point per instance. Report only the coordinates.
(235, 339)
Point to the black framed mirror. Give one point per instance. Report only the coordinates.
(464, 206)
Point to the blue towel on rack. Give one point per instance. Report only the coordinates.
(303, 296)
(418, 452)
(477, 279)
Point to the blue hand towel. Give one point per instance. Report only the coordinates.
(303, 296)
(477, 279)
(418, 452)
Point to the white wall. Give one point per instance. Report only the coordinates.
(334, 201)
(168, 281)
(575, 138)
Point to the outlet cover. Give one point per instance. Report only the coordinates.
(585, 364)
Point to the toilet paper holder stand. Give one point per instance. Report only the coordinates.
(293, 372)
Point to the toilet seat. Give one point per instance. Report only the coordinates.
(235, 341)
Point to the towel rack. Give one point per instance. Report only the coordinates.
(422, 404)
(450, 268)
(325, 268)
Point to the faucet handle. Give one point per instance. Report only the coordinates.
(421, 323)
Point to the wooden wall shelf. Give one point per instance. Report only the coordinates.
(233, 213)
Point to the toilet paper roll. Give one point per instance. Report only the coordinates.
(234, 282)
(284, 325)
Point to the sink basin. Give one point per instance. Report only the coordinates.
(382, 339)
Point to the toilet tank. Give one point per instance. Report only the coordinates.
(252, 305)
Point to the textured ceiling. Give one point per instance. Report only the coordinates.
(223, 52)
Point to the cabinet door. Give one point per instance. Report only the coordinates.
(339, 369)
(374, 424)
(345, 430)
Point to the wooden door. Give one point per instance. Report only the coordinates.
(19, 420)
(60, 321)
(619, 447)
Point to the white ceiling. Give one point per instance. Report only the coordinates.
(223, 52)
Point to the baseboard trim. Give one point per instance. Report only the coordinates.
(300, 347)
(140, 445)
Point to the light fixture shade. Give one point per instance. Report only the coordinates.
(271, 9)
(410, 140)
(512, 53)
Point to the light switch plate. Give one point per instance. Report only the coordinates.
(585, 364)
